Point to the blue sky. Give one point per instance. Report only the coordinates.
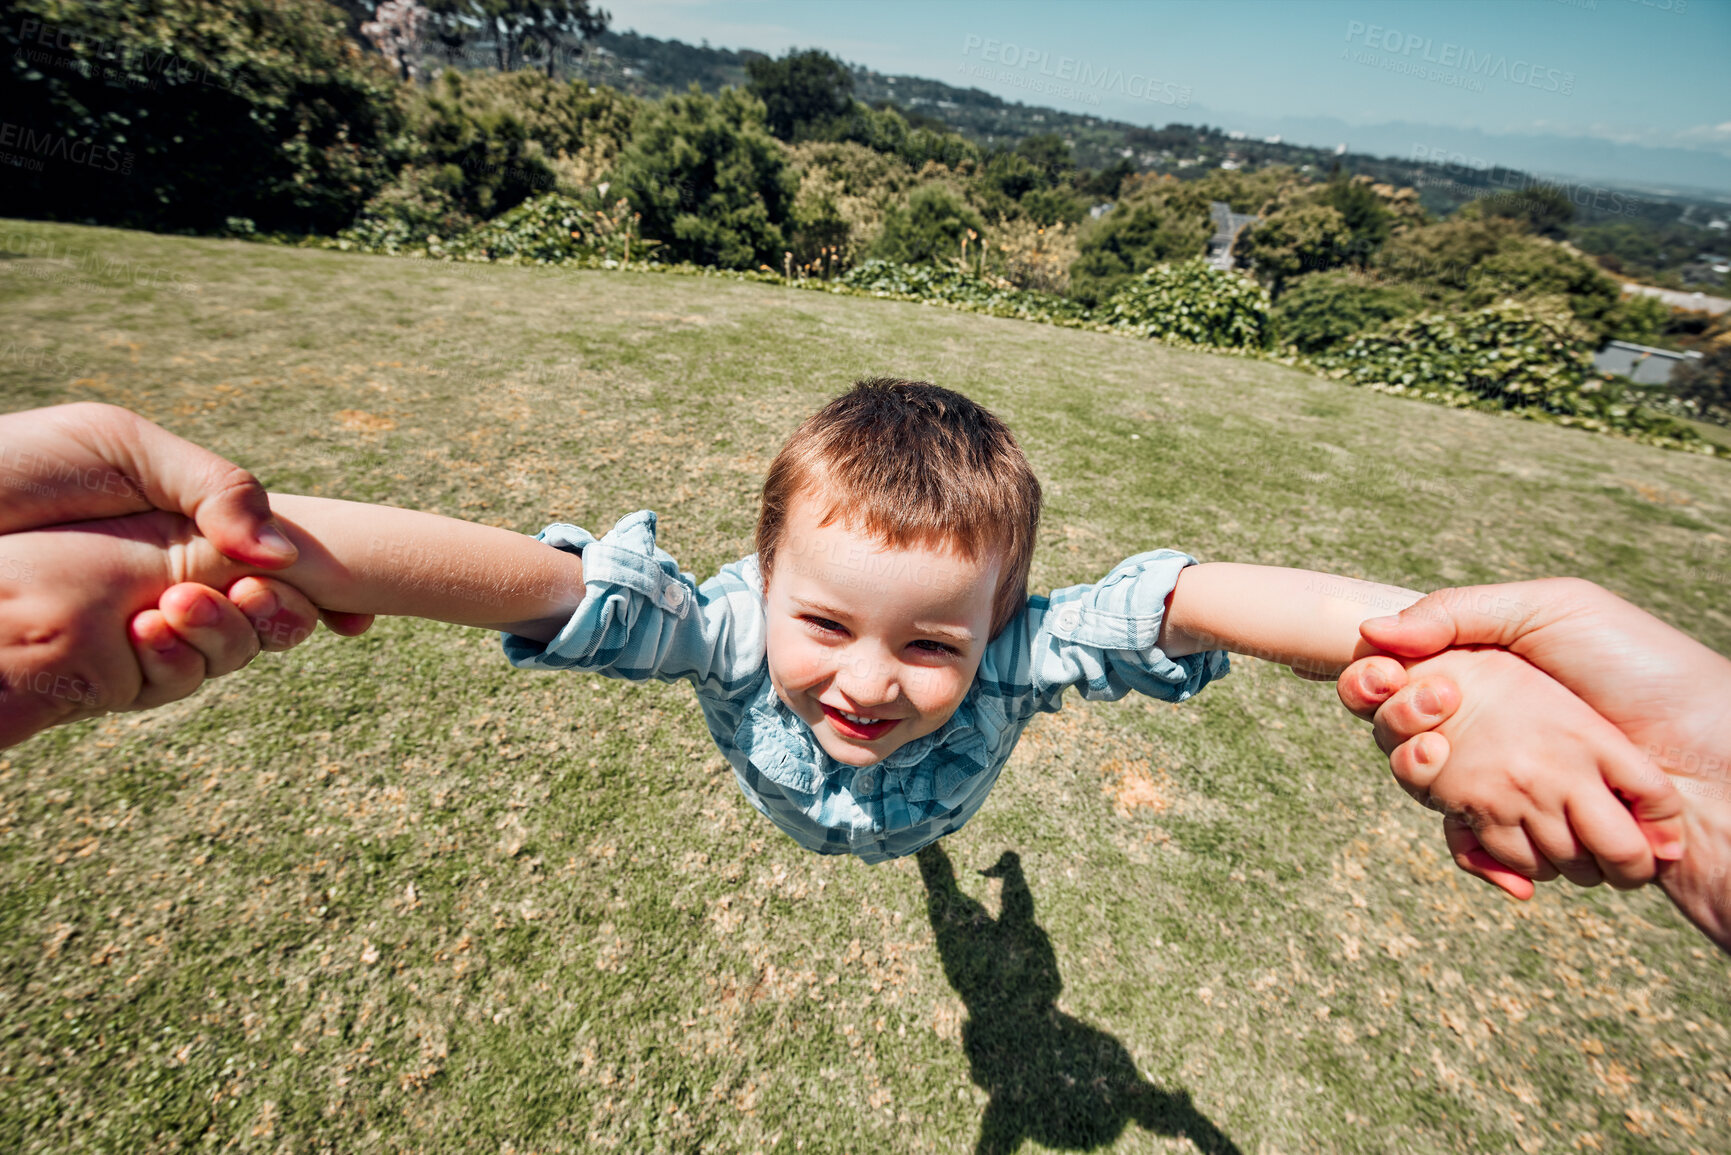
(1642, 73)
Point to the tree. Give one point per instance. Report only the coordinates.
(930, 227)
(398, 29)
(1546, 212)
(1707, 382)
(1325, 310)
(711, 183)
(803, 93)
(1133, 237)
(1106, 182)
(513, 25)
(1368, 222)
(181, 113)
(1300, 239)
(1049, 153)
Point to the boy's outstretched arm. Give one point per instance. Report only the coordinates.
(65, 652)
(377, 559)
(1299, 618)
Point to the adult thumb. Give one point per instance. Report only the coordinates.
(229, 506)
(232, 510)
(1498, 615)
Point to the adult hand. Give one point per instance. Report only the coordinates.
(71, 463)
(88, 460)
(1669, 694)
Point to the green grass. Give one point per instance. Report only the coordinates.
(390, 894)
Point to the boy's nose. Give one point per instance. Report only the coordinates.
(867, 680)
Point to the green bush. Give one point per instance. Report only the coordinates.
(178, 114)
(416, 205)
(1195, 302)
(1641, 319)
(1705, 385)
(551, 230)
(948, 286)
(1472, 261)
(1503, 356)
(1132, 237)
(710, 182)
(1505, 353)
(1302, 238)
(929, 227)
(489, 141)
(1324, 310)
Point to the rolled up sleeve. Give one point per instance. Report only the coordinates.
(1103, 640)
(641, 618)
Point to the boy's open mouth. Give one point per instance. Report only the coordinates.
(859, 731)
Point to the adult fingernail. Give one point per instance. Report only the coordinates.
(1375, 684)
(201, 613)
(164, 642)
(1671, 851)
(274, 540)
(1424, 700)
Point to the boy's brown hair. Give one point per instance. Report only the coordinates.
(915, 465)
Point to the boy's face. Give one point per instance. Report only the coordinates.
(872, 646)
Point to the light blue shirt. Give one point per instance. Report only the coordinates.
(641, 618)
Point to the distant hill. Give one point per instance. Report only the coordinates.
(1641, 232)
(649, 66)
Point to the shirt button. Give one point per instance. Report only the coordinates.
(863, 783)
(1069, 618)
(674, 596)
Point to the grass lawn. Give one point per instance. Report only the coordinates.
(390, 894)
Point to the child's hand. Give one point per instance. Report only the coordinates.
(195, 632)
(1531, 781)
(66, 651)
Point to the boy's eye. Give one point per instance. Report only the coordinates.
(932, 647)
(823, 625)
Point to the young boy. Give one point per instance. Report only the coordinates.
(868, 672)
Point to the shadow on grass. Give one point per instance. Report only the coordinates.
(1051, 1078)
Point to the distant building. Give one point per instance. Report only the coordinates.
(1641, 364)
(1696, 302)
(1227, 226)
